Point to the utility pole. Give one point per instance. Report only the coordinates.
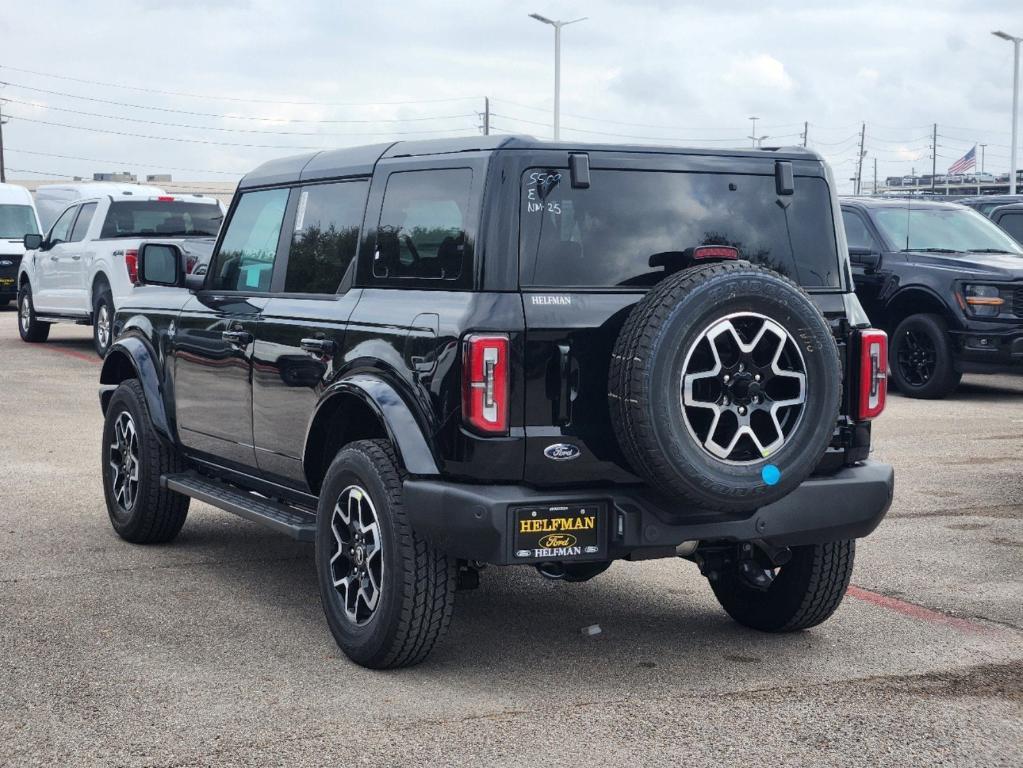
(934, 157)
(3, 170)
(753, 136)
(485, 127)
(859, 161)
(875, 175)
(806, 131)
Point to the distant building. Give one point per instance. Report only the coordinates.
(123, 176)
(158, 178)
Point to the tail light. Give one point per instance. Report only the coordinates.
(485, 383)
(190, 262)
(873, 374)
(131, 263)
(165, 199)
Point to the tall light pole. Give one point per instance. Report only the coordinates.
(754, 136)
(1015, 104)
(557, 24)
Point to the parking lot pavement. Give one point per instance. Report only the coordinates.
(213, 650)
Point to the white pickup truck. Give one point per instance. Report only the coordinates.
(86, 265)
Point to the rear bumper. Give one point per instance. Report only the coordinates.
(475, 521)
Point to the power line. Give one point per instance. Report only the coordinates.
(194, 113)
(187, 140)
(231, 130)
(236, 98)
(124, 163)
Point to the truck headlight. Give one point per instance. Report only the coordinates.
(983, 300)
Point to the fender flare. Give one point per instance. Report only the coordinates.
(397, 417)
(901, 291)
(135, 352)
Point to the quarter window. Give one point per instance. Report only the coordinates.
(82, 222)
(59, 232)
(422, 225)
(325, 237)
(246, 258)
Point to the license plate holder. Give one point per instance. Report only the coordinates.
(561, 532)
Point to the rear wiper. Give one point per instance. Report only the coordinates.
(929, 250)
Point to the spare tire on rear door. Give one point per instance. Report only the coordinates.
(725, 386)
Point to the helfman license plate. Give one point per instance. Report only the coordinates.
(559, 532)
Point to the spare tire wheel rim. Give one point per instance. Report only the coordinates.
(743, 388)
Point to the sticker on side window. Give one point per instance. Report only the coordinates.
(300, 214)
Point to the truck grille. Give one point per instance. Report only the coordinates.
(1017, 302)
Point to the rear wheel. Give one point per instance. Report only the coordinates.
(102, 320)
(920, 358)
(387, 593)
(29, 326)
(134, 458)
(805, 591)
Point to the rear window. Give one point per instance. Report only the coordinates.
(16, 221)
(605, 235)
(163, 218)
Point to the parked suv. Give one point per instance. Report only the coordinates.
(87, 264)
(17, 219)
(947, 285)
(427, 357)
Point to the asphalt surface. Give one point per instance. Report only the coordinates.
(213, 650)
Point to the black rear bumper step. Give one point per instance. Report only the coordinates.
(296, 523)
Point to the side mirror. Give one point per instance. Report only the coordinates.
(195, 281)
(32, 242)
(161, 264)
(864, 257)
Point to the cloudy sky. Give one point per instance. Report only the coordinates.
(207, 89)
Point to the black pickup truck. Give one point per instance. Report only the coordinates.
(944, 282)
(428, 357)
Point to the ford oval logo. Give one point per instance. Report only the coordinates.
(561, 452)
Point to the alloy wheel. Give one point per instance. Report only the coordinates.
(916, 357)
(124, 462)
(103, 326)
(743, 388)
(25, 312)
(356, 562)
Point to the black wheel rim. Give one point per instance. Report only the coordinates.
(916, 357)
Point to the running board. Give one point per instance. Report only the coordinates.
(296, 523)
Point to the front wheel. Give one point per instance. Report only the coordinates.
(804, 593)
(134, 457)
(920, 358)
(387, 593)
(29, 326)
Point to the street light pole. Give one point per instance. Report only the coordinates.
(1015, 105)
(557, 24)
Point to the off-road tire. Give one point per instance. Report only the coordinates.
(418, 586)
(805, 591)
(103, 302)
(157, 514)
(29, 327)
(945, 378)
(645, 374)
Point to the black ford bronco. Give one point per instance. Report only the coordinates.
(427, 357)
(947, 285)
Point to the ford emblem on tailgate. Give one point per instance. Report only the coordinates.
(561, 452)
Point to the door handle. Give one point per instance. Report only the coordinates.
(241, 338)
(54, 258)
(76, 258)
(318, 346)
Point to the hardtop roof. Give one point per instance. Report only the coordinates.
(359, 161)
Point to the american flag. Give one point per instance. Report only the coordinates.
(964, 163)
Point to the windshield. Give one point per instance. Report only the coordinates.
(165, 218)
(16, 221)
(624, 228)
(943, 229)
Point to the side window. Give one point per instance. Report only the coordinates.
(1013, 224)
(246, 258)
(422, 225)
(59, 231)
(856, 232)
(82, 222)
(326, 235)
